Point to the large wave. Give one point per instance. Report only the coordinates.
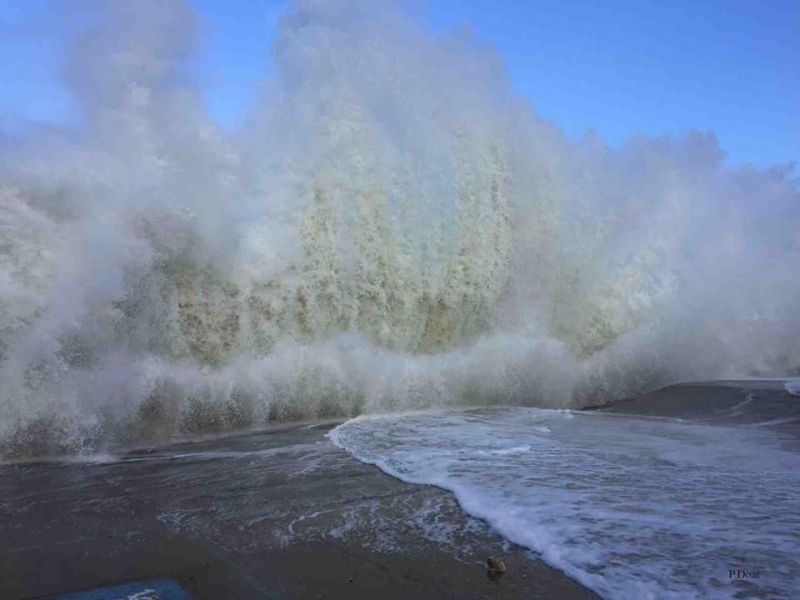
(393, 229)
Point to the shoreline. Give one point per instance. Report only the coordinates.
(115, 453)
(281, 513)
(275, 514)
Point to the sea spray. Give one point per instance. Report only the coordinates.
(394, 230)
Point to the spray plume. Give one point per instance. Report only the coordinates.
(395, 230)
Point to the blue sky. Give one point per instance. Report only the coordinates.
(619, 67)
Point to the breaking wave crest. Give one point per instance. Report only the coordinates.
(393, 229)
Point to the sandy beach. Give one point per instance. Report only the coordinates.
(276, 514)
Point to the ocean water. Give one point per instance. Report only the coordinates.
(632, 507)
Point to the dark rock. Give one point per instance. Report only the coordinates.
(496, 567)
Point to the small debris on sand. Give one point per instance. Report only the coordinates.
(145, 595)
(496, 567)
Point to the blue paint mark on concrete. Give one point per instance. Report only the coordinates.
(154, 589)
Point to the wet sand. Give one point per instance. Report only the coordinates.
(276, 514)
(729, 402)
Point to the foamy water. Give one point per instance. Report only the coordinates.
(632, 507)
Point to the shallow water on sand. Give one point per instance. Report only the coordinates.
(633, 507)
(280, 513)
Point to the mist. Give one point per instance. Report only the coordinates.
(392, 229)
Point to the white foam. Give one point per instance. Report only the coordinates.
(632, 508)
(793, 387)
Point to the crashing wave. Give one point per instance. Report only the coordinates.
(394, 230)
